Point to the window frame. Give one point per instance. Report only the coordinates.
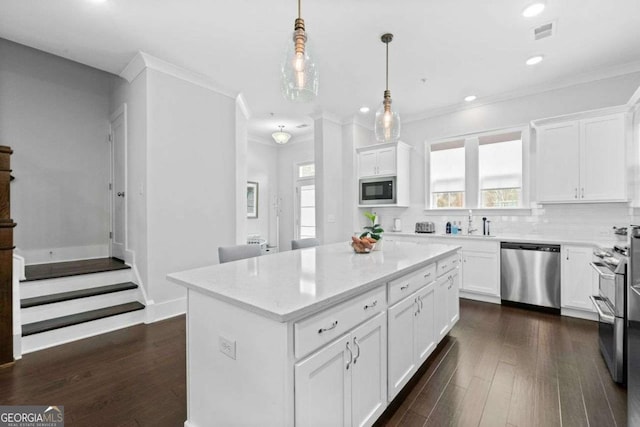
(473, 194)
(297, 183)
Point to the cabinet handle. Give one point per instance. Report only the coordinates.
(444, 265)
(402, 288)
(350, 356)
(583, 192)
(373, 304)
(415, 313)
(333, 325)
(576, 194)
(421, 303)
(355, 342)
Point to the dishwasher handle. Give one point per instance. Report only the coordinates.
(530, 247)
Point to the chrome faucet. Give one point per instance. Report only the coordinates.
(470, 228)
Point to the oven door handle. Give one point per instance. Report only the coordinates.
(598, 267)
(604, 317)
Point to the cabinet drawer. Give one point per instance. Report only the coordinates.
(403, 286)
(448, 263)
(323, 327)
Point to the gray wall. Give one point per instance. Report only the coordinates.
(54, 113)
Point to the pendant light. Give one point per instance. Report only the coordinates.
(299, 74)
(281, 137)
(387, 126)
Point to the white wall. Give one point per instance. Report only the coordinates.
(54, 113)
(591, 220)
(288, 156)
(262, 163)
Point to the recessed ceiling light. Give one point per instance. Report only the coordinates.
(364, 110)
(470, 98)
(535, 60)
(534, 9)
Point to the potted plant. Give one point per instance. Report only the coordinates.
(373, 231)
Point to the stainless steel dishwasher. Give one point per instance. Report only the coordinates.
(530, 274)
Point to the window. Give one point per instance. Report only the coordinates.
(305, 201)
(447, 175)
(500, 171)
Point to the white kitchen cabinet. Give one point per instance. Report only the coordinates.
(441, 316)
(344, 383)
(425, 338)
(480, 272)
(378, 161)
(387, 160)
(577, 278)
(582, 160)
(453, 298)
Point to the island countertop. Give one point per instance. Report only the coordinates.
(291, 285)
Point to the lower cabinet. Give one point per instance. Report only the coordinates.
(411, 336)
(481, 272)
(344, 383)
(448, 313)
(577, 278)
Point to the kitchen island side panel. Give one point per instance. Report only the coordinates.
(254, 389)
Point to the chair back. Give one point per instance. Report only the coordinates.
(234, 253)
(304, 243)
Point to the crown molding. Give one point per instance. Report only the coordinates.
(634, 101)
(326, 116)
(241, 102)
(580, 115)
(359, 121)
(143, 60)
(262, 141)
(587, 77)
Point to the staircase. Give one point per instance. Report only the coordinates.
(68, 301)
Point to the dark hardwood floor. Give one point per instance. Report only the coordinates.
(500, 366)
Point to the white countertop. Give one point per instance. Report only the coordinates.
(293, 284)
(524, 238)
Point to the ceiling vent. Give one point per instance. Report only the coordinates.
(544, 31)
(304, 125)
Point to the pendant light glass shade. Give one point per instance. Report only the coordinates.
(299, 73)
(387, 125)
(281, 137)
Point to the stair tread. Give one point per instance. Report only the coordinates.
(75, 319)
(71, 295)
(72, 268)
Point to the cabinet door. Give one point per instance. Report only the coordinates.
(602, 167)
(558, 163)
(577, 280)
(401, 348)
(425, 324)
(453, 298)
(367, 163)
(369, 374)
(441, 310)
(480, 272)
(387, 161)
(323, 386)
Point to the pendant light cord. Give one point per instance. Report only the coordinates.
(299, 9)
(387, 65)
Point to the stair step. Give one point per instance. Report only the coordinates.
(72, 268)
(75, 319)
(82, 293)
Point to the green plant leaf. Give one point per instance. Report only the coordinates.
(377, 230)
(364, 234)
(375, 236)
(371, 216)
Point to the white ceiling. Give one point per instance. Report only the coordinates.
(460, 47)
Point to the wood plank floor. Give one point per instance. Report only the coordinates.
(500, 366)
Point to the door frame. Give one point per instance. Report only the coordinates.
(297, 183)
(120, 111)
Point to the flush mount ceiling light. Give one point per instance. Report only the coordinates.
(299, 74)
(364, 110)
(387, 125)
(470, 98)
(534, 9)
(535, 60)
(281, 137)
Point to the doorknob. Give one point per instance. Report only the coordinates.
(120, 193)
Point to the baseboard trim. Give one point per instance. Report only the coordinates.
(165, 310)
(479, 297)
(580, 314)
(72, 253)
(17, 346)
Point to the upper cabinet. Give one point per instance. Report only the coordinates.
(582, 160)
(378, 161)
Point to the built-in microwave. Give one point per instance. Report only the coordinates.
(378, 191)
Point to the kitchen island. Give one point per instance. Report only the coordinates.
(318, 336)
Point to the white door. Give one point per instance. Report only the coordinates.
(305, 209)
(369, 374)
(481, 272)
(441, 310)
(577, 281)
(118, 185)
(425, 324)
(453, 298)
(323, 386)
(367, 163)
(602, 168)
(558, 162)
(401, 349)
(387, 161)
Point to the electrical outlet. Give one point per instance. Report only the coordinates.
(227, 347)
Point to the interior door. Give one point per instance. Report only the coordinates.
(118, 233)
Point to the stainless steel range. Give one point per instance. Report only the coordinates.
(611, 304)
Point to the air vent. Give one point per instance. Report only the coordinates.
(304, 125)
(544, 31)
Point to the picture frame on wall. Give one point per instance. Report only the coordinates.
(252, 199)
